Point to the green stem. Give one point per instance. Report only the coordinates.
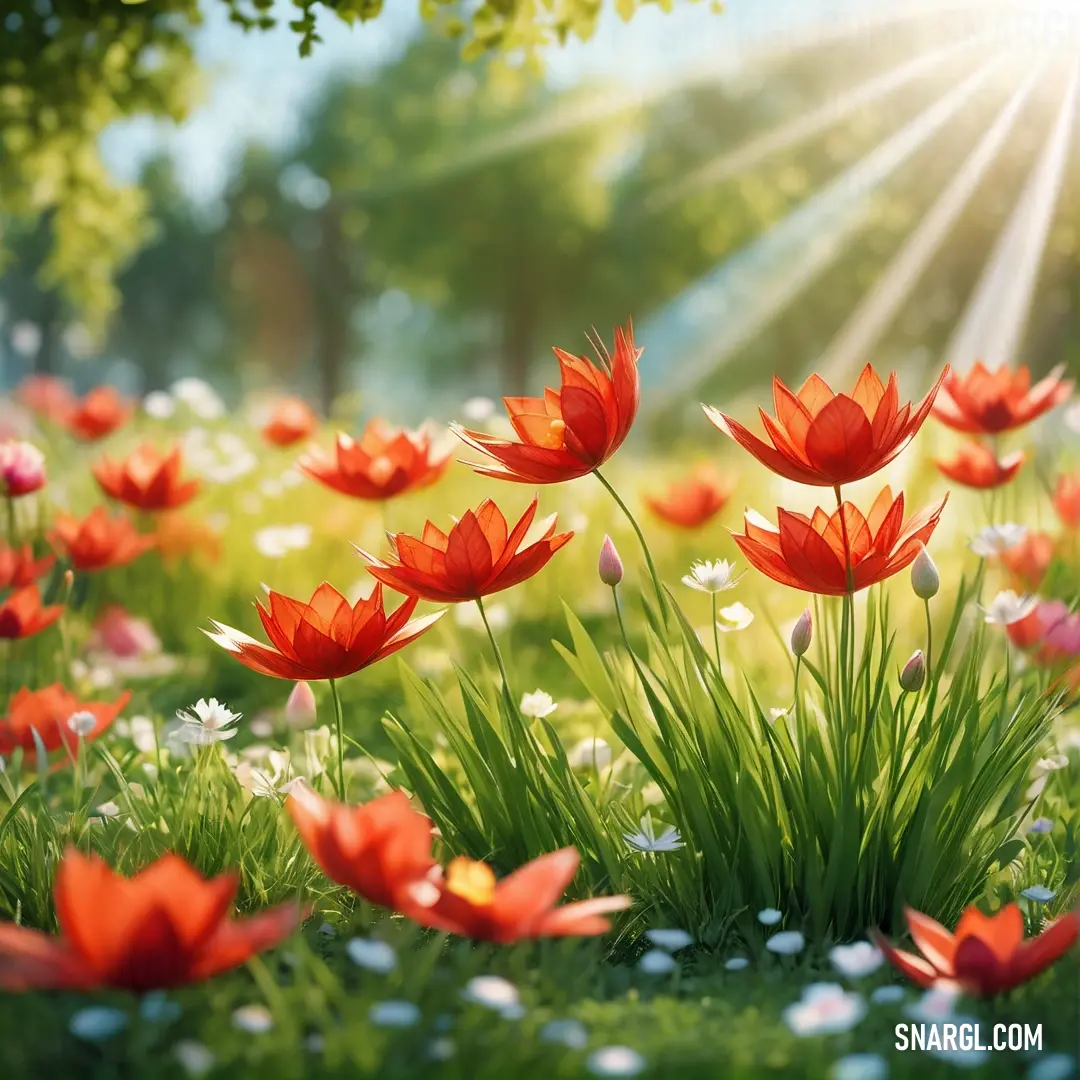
(339, 723)
(716, 637)
(640, 535)
(929, 645)
(498, 653)
(9, 520)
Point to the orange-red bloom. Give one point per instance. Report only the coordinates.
(380, 850)
(690, 503)
(22, 614)
(1067, 500)
(48, 711)
(293, 419)
(987, 955)
(976, 466)
(100, 413)
(984, 402)
(385, 462)
(825, 439)
(832, 554)
(164, 927)
(479, 556)
(326, 638)
(99, 541)
(147, 480)
(178, 535)
(19, 568)
(48, 396)
(571, 431)
(1029, 560)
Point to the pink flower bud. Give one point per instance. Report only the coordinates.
(802, 633)
(300, 708)
(123, 635)
(22, 469)
(914, 673)
(611, 567)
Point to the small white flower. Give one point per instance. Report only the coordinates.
(199, 396)
(786, 943)
(97, 1022)
(860, 1067)
(1047, 765)
(657, 962)
(159, 405)
(671, 939)
(736, 963)
(1039, 894)
(568, 1033)
(615, 1061)
(855, 960)
(394, 1014)
(271, 780)
(735, 617)
(372, 955)
(769, 916)
(82, 723)
(276, 541)
(937, 1003)
(143, 734)
(1007, 608)
(478, 409)
(538, 704)
(712, 577)
(493, 992)
(825, 1009)
(646, 839)
(887, 995)
(108, 809)
(997, 539)
(254, 1019)
(208, 722)
(592, 753)
(195, 1058)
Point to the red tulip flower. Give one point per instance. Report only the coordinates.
(381, 850)
(825, 439)
(99, 541)
(385, 462)
(691, 503)
(162, 928)
(1029, 560)
(479, 556)
(472, 903)
(147, 480)
(326, 638)
(976, 466)
(100, 413)
(984, 402)
(19, 568)
(293, 419)
(833, 554)
(987, 955)
(48, 711)
(22, 614)
(1067, 500)
(571, 431)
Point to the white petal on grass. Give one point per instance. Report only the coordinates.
(736, 963)
(538, 704)
(568, 1033)
(1050, 764)
(97, 1022)
(997, 539)
(860, 1067)
(856, 960)
(657, 962)
(195, 1058)
(206, 722)
(1007, 608)
(826, 1009)
(734, 618)
(372, 955)
(769, 916)
(394, 1014)
(615, 1061)
(254, 1019)
(786, 943)
(1053, 1067)
(492, 992)
(670, 940)
(1039, 894)
(647, 838)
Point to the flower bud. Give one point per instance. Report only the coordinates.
(925, 580)
(611, 567)
(22, 468)
(914, 673)
(802, 633)
(300, 708)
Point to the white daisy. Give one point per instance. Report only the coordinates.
(997, 539)
(646, 838)
(712, 577)
(538, 704)
(733, 618)
(1007, 608)
(208, 722)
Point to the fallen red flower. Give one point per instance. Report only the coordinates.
(826, 439)
(22, 614)
(19, 568)
(479, 556)
(99, 541)
(690, 503)
(985, 402)
(164, 927)
(293, 419)
(101, 412)
(571, 431)
(47, 711)
(147, 480)
(976, 466)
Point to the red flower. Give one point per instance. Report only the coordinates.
(975, 466)
(46, 395)
(472, 903)
(99, 541)
(48, 711)
(827, 439)
(984, 402)
(326, 638)
(385, 462)
(22, 469)
(18, 568)
(1067, 500)
(478, 557)
(164, 927)
(100, 413)
(987, 955)
(1029, 560)
(292, 420)
(380, 850)
(571, 431)
(689, 504)
(22, 616)
(146, 480)
(178, 535)
(810, 553)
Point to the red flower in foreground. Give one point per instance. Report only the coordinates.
(1029, 560)
(571, 431)
(987, 955)
(824, 439)
(984, 402)
(478, 557)
(22, 615)
(976, 466)
(100, 413)
(19, 568)
(326, 638)
(293, 419)
(380, 850)
(48, 396)
(812, 553)
(99, 541)
(690, 503)
(48, 711)
(147, 480)
(1067, 500)
(164, 927)
(385, 462)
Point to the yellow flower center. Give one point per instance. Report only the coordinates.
(554, 439)
(474, 882)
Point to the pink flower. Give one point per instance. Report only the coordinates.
(22, 468)
(124, 636)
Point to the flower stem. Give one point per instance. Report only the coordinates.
(716, 637)
(640, 535)
(498, 652)
(929, 645)
(339, 723)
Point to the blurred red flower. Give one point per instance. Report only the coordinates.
(147, 480)
(48, 711)
(101, 412)
(987, 955)
(22, 614)
(985, 402)
(385, 462)
(178, 535)
(19, 568)
(1067, 500)
(99, 541)
(571, 431)
(479, 556)
(293, 419)
(690, 503)
(976, 466)
(22, 469)
(48, 396)
(164, 927)
(1029, 560)
(812, 554)
(826, 439)
(326, 638)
